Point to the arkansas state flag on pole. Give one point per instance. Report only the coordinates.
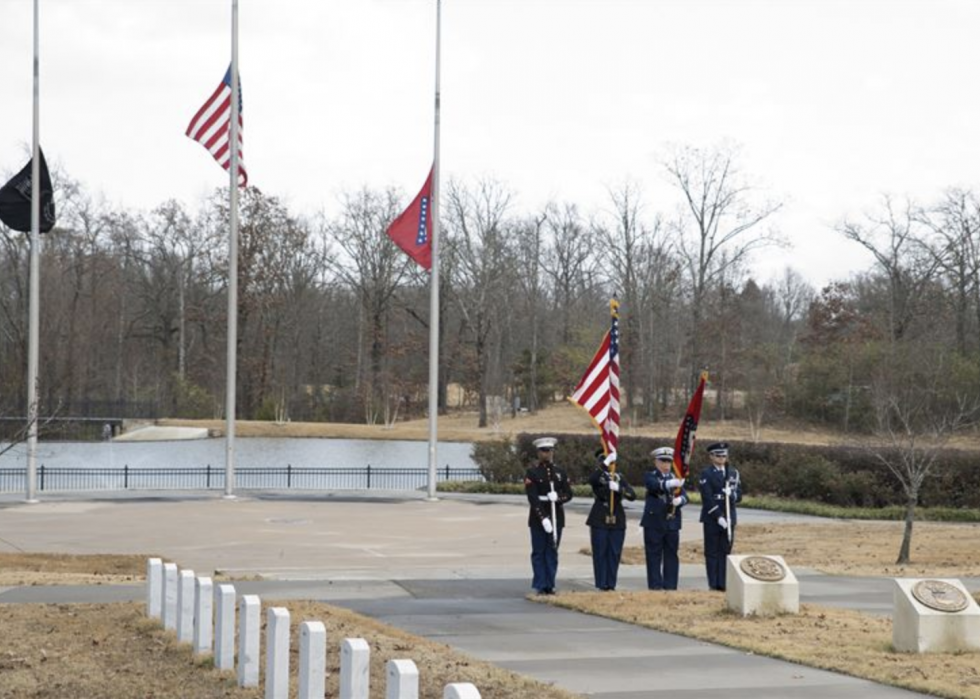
(15, 199)
(684, 442)
(412, 231)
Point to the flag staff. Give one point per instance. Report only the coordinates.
(434, 282)
(35, 282)
(230, 402)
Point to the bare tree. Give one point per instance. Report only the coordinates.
(627, 246)
(721, 224)
(895, 238)
(529, 244)
(374, 268)
(570, 263)
(917, 411)
(477, 222)
(955, 222)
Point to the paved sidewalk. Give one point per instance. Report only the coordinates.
(455, 571)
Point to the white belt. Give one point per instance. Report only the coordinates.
(543, 498)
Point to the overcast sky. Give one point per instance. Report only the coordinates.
(833, 102)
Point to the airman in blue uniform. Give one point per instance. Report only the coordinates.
(547, 490)
(721, 491)
(608, 524)
(662, 522)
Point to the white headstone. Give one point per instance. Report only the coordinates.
(170, 596)
(761, 586)
(934, 615)
(249, 623)
(403, 680)
(185, 606)
(312, 660)
(154, 588)
(355, 665)
(203, 614)
(277, 653)
(460, 690)
(224, 627)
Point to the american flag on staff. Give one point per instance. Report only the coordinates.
(211, 126)
(684, 443)
(598, 391)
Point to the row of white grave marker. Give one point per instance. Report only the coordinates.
(192, 607)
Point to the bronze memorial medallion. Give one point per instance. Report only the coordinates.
(763, 568)
(940, 595)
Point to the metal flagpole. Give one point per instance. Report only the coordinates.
(434, 284)
(35, 282)
(232, 361)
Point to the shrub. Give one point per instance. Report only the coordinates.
(835, 475)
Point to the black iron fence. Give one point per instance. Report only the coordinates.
(61, 479)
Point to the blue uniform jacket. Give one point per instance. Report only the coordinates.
(712, 484)
(658, 505)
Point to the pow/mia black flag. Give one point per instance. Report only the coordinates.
(15, 200)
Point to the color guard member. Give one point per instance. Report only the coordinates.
(721, 491)
(547, 489)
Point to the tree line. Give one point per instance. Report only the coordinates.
(333, 318)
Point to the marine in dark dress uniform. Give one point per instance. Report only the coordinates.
(721, 491)
(662, 521)
(547, 489)
(607, 525)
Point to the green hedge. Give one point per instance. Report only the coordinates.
(834, 475)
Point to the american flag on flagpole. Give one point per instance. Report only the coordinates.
(598, 391)
(210, 127)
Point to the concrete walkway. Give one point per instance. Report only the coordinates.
(455, 571)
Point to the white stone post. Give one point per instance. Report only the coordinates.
(277, 653)
(312, 660)
(761, 586)
(224, 628)
(170, 596)
(154, 588)
(355, 665)
(934, 615)
(185, 606)
(248, 641)
(403, 680)
(460, 690)
(203, 615)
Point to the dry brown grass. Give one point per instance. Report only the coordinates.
(861, 643)
(461, 426)
(112, 651)
(853, 548)
(64, 569)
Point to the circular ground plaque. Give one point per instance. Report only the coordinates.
(940, 595)
(762, 568)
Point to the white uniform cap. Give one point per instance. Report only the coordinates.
(545, 443)
(663, 453)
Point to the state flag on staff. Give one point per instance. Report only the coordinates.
(15, 199)
(412, 230)
(598, 391)
(684, 442)
(211, 127)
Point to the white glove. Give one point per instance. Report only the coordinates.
(614, 486)
(553, 496)
(672, 483)
(610, 458)
(727, 490)
(677, 501)
(546, 523)
(722, 522)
